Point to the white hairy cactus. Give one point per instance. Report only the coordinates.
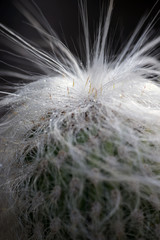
(80, 145)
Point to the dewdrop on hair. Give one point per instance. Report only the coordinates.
(79, 144)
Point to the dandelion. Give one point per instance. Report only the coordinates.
(80, 143)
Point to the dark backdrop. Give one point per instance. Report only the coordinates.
(63, 16)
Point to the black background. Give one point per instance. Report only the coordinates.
(64, 18)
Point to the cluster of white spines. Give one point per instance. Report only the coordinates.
(104, 121)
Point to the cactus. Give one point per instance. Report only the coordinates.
(80, 147)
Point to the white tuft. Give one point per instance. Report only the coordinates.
(105, 116)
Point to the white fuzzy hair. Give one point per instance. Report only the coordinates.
(110, 100)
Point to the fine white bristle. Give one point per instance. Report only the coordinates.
(89, 130)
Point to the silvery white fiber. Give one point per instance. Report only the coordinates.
(80, 155)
